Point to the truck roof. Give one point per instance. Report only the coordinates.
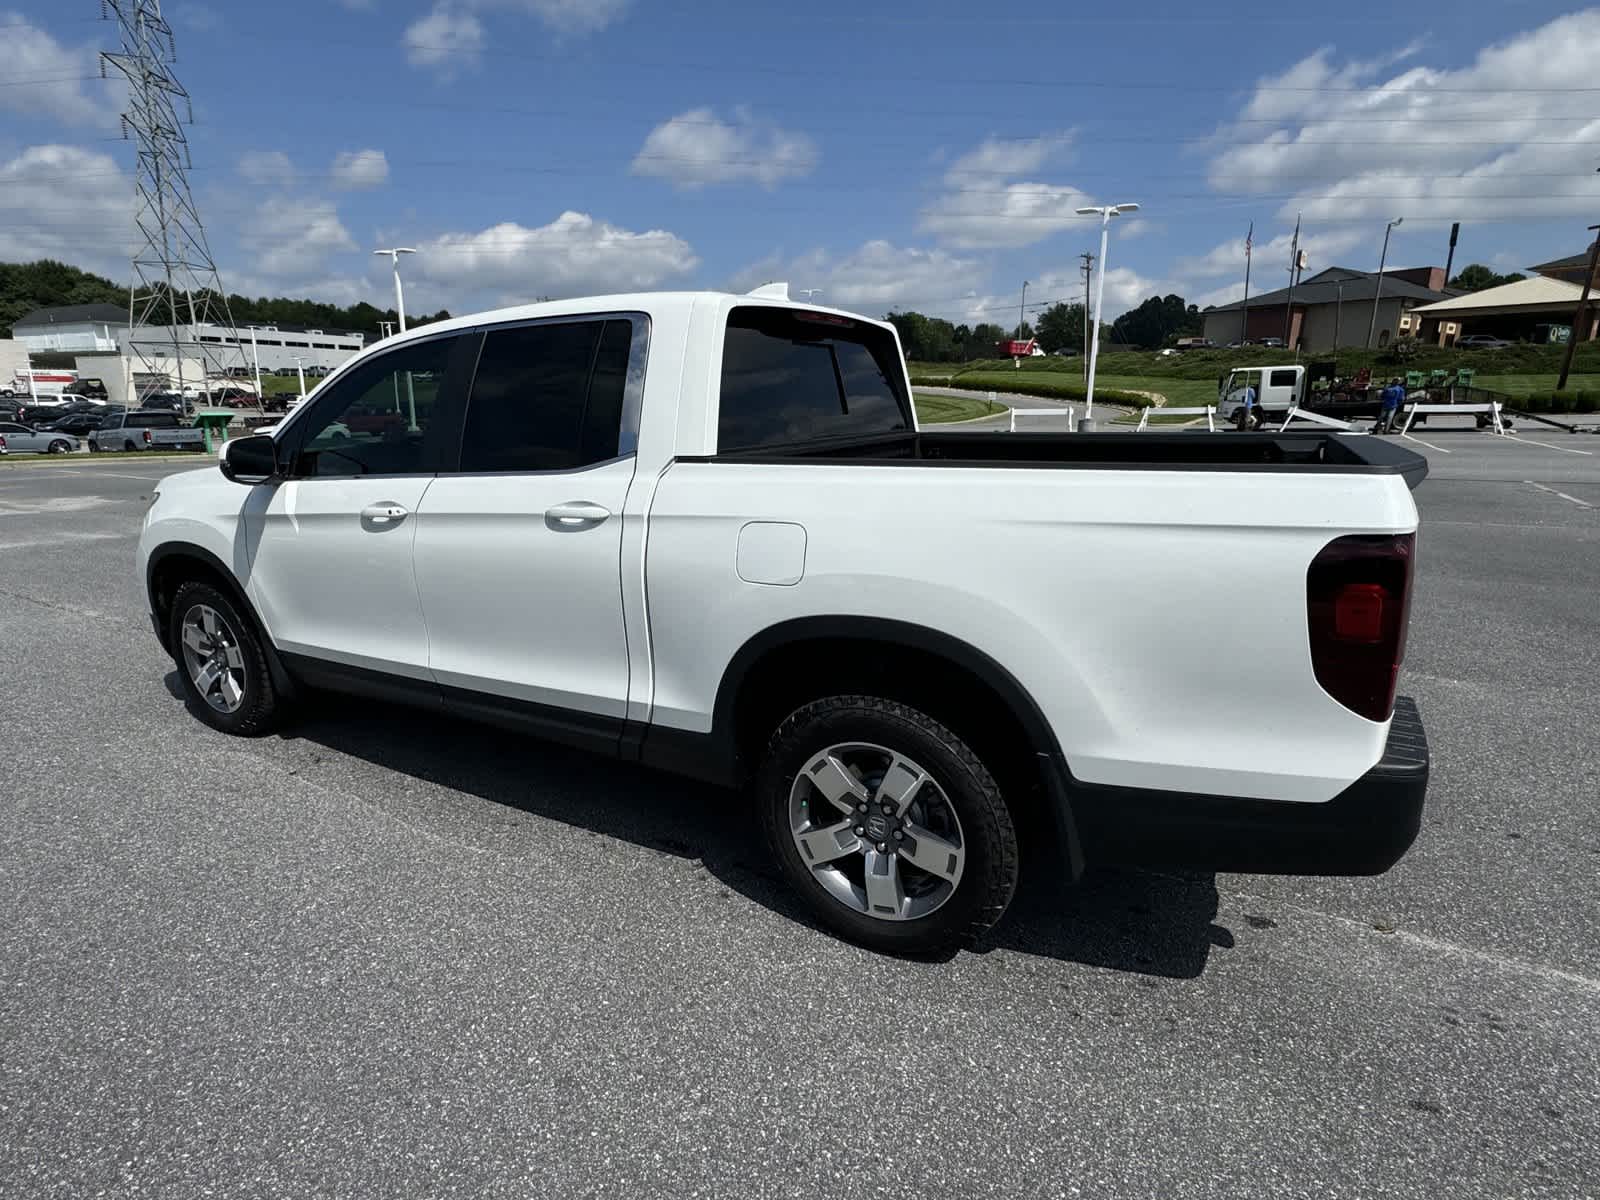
(654, 303)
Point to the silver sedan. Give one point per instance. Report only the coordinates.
(20, 438)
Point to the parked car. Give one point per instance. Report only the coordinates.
(24, 439)
(78, 423)
(94, 389)
(145, 430)
(1481, 341)
(816, 619)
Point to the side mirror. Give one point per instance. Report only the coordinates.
(251, 460)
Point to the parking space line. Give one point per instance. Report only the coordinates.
(1522, 441)
(140, 478)
(1429, 445)
(1563, 495)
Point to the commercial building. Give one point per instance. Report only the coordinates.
(72, 329)
(278, 346)
(1538, 310)
(1331, 308)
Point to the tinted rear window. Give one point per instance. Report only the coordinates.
(1283, 379)
(548, 397)
(152, 420)
(789, 379)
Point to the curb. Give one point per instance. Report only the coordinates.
(84, 460)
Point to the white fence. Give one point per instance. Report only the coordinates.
(1296, 413)
(1493, 408)
(1055, 415)
(1208, 411)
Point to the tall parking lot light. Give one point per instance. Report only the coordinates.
(1105, 213)
(1378, 294)
(394, 254)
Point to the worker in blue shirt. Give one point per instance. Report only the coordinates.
(1249, 410)
(1390, 401)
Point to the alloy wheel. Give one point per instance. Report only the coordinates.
(213, 659)
(876, 831)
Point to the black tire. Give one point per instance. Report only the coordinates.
(59, 447)
(261, 707)
(989, 875)
(129, 446)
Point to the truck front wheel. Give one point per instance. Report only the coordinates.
(888, 825)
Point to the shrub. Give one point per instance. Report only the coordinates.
(1025, 383)
(1586, 402)
(1560, 402)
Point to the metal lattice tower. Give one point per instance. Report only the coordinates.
(176, 291)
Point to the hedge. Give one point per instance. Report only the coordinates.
(1027, 384)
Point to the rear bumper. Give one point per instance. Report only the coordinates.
(1364, 830)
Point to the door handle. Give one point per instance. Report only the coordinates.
(576, 513)
(384, 510)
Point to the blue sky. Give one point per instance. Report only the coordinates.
(919, 156)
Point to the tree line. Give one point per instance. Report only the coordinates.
(25, 287)
(1159, 321)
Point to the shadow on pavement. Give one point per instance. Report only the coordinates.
(1126, 920)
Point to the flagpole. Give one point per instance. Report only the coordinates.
(1288, 309)
(1244, 312)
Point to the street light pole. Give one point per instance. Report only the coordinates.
(255, 359)
(1022, 310)
(1377, 295)
(1105, 213)
(1580, 319)
(299, 366)
(394, 254)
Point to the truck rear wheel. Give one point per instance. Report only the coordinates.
(888, 825)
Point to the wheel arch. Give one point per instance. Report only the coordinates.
(788, 664)
(172, 564)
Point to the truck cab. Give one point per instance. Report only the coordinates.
(1277, 390)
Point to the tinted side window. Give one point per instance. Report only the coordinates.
(1283, 379)
(547, 397)
(788, 377)
(384, 418)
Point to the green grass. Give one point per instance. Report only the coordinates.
(1210, 364)
(1180, 393)
(1521, 386)
(937, 410)
(1052, 385)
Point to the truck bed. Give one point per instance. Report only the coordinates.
(1312, 451)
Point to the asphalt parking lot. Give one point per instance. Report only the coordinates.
(382, 954)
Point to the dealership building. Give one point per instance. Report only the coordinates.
(102, 345)
(1333, 308)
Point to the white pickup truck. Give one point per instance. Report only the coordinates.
(705, 532)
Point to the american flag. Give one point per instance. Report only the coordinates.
(1247, 238)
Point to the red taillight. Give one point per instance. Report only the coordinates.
(2, 441)
(1358, 601)
(147, 438)
(1358, 612)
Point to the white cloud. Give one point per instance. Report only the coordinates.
(1226, 294)
(1511, 135)
(574, 255)
(1125, 289)
(67, 203)
(292, 237)
(1129, 228)
(451, 36)
(360, 169)
(1016, 214)
(874, 278)
(447, 39)
(570, 16)
(697, 148)
(978, 210)
(40, 75)
(267, 168)
(1323, 249)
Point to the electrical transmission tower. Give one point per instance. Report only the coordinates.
(176, 292)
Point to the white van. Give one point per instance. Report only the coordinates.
(1278, 389)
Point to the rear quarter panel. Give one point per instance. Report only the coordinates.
(1157, 617)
